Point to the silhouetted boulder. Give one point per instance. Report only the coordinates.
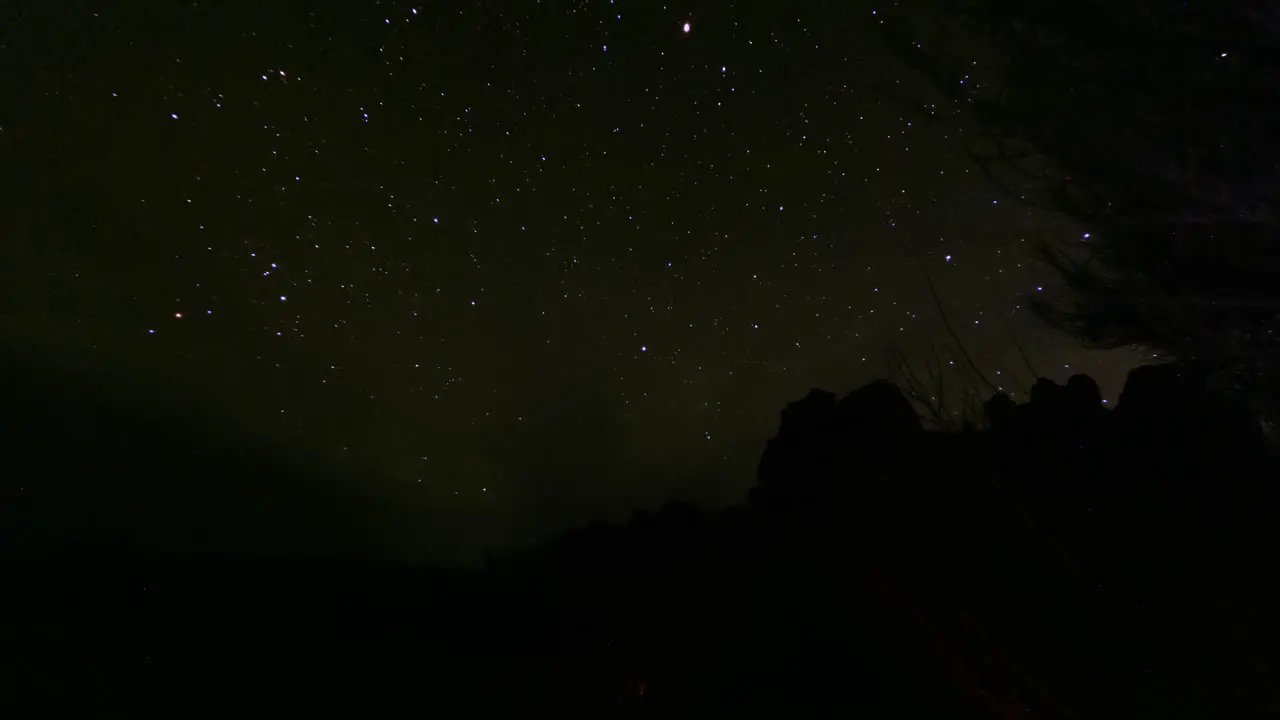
(1083, 391)
(815, 412)
(1001, 413)
(879, 410)
(803, 442)
(817, 435)
(1086, 413)
(1048, 399)
(1042, 422)
(1153, 396)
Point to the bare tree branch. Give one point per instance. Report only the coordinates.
(946, 322)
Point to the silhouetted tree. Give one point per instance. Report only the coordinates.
(1149, 123)
(947, 397)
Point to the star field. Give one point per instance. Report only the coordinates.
(519, 264)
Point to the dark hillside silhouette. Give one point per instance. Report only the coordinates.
(1066, 561)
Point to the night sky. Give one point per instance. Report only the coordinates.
(517, 264)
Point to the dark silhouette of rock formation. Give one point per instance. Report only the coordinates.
(1065, 561)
